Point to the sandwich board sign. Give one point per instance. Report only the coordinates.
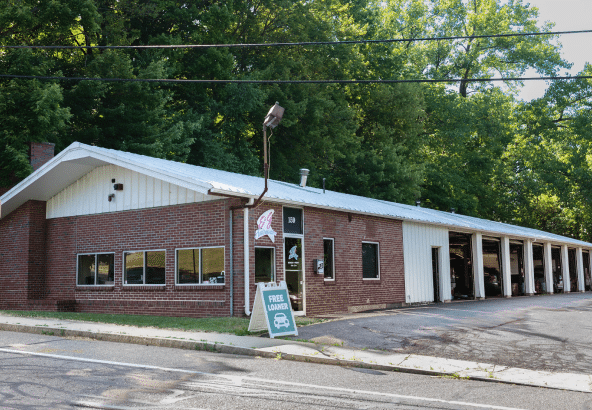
(273, 311)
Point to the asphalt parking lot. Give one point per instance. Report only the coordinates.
(539, 332)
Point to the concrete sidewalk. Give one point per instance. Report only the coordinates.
(301, 351)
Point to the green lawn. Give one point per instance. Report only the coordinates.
(232, 325)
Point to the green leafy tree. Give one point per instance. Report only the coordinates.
(32, 110)
(551, 181)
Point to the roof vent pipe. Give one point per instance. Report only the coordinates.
(303, 176)
(417, 202)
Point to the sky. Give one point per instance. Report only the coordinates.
(577, 48)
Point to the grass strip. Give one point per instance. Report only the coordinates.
(231, 325)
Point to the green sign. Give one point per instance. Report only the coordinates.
(272, 310)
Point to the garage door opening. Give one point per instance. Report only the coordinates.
(517, 267)
(538, 261)
(587, 278)
(573, 269)
(461, 266)
(492, 268)
(436, 273)
(557, 275)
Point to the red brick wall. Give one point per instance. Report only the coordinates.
(38, 259)
(348, 291)
(22, 255)
(168, 228)
(40, 153)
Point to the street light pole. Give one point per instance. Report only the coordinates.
(272, 119)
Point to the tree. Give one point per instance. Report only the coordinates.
(470, 57)
(551, 181)
(31, 110)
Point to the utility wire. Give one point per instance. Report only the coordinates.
(309, 43)
(379, 81)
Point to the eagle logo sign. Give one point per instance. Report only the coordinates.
(292, 254)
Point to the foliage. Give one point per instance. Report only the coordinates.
(468, 145)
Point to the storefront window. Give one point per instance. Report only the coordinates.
(144, 268)
(95, 269)
(200, 266)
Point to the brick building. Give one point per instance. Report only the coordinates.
(98, 230)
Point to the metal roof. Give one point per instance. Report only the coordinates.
(79, 159)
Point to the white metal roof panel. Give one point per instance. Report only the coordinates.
(204, 179)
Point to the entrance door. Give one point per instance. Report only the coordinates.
(517, 268)
(436, 273)
(293, 254)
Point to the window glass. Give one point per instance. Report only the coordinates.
(212, 268)
(86, 269)
(293, 220)
(133, 268)
(370, 260)
(95, 269)
(293, 253)
(200, 266)
(188, 266)
(106, 269)
(264, 269)
(155, 268)
(328, 258)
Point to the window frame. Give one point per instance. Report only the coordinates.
(377, 260)
(123, 280)
(200, 277)
(96, 254)
(332, 259)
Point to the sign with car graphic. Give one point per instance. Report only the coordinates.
(272, 310)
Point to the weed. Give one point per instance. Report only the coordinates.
(454, 376)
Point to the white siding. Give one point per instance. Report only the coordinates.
(89, 195)
(418, 241)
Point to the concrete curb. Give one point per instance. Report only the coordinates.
(330, 355)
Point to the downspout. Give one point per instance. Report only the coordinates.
(246, 256)
(231, 269)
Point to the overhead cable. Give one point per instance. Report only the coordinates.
(305, 43)
(378, 81)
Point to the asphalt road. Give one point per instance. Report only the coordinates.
(540, 333)
(48, 372)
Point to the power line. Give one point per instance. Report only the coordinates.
(379, 81)
(308, 43)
